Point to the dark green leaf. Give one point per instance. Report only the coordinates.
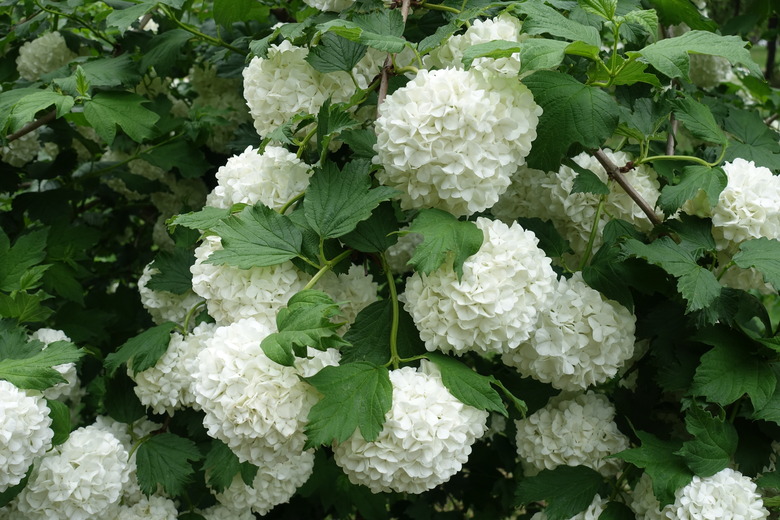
(568, 490)
(143, 350)
(108, 109)
(376, 233)
(370, 335)
(60, 421)
(695, 234)
(550, 240)
(468, 386)
(103, 72)
(713, 445)
(25, 307)
(695, 178)
(120, 400)
(174, 271)
(35, 371)
(335, 53)
(124, 18)
(698, 119)
(228, 11)
(586, 181)
(757, 142)
(606, 273)
(361, 141)
(543, 19)
(181, 155)
(769, 480)
(165, 49)
(381, 30)
(27, 107)
(675, 12)
(762, 254)
(164, 460)
(9, 494)
(446, 241)
(355, 396)
(27, 251)
(221, 465)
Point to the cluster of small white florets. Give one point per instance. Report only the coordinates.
(81, 479)
(232, 294)
(451, 139)
(273, 178)
(726, 494)
(504, 27)
(163, 305)
(426, 437)
(643, 501)
(495, 305)
(25, 432)
(149, 508)
(581, 339)
(575, 432)
(45, 54)
(21, 151)
(592, 512)
(166, 387)
(223, 512)
(254, 405)
(354, 290)
(329, 5)
(70, 389)
(399, 254)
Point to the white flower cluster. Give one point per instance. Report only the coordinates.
(25, 432)
(166, 386)
(356, 289)
(273, 178)
(582, 339)
(163, 305)
(254, 405)
(45, 54)
(727, 494)
(232, 294)
(149, 508)
(575, 432)
(399, 254)
(21, 151)
(426, 438)
(69, 390)
(223, 512)
(504, 27)
(329, 5)
(643, 501)
(593, 511)
(495, 305)
(451, 139)
(81, 480)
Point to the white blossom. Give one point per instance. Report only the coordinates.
(224, 512)
(579, 431)
(643, 501)
(150, 508)
(25, 432)
(21, 151)
(495, 305)
(592, 512)
(355, 290)
(582, 339)
(69, 390)
(529, 195)
(330, 5)
(426, 438)
(726, 495)
(163, 305)
(399, 254)
(451, 139)
(45, 54)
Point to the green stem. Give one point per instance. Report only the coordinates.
(195, 308)
(394, 357)
(409, 359)
(593, 232)
(439, 7)
(306, 139)
(330, 264)
(204, 37)
(728, 266)
(690, 158)
(77, 20)
(138, 445)
(404, 70)
(291, 202)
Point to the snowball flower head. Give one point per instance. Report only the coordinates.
(592, 512)
(81, 480)
(256, 406)
(149, 508)
(329, 5)
(426, 438)
(575, 432)
(528, 196)
(582, 339)
(504, 27)
(232, 294)
(399, 254)
(495, 305)
(451, 139)
(25, 433)
(163, 305)
(356, 289)
(643, 501)
(70, 388)
(21, 151)
(45, 54)
(166, 386)
(273, 178)
(725, 495)
(223, 512)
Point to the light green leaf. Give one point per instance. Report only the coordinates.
(337, 200)
(204, 219)
(468, 386)
(670, 56)
(103, 72)
(446, 241)
(122, 19)
(335, 53)
(35, 371)
(164, 49)
(27, 251)
(698, 119)
(762, 254)
(586, 181)
(713, 445)
(27, 107)
(573, 113)
(541, 53)
(256, 237)
(543, 19)
(756, 141)
(658, 458)
(60, 421)
(164, 460)
(142, 351)
(694, 179)
(228, 11)
(603, 8)
(646, 18)
(174, 273)
(568, 490)
(381, 30)
(355, 396)
(491, 49)
(108, 109)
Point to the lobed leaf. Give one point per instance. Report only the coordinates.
(446, 241)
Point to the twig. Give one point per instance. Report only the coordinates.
(771, 119)
(29, 127)
(385, 78)
(672, 134)
(614, 172)
(144, 21)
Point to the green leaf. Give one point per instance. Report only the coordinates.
(762, 254)
(468, 386)
(769, 480)
(335, 53)
(756, 141)
(143, 350)
(60, 421)
(164, 460)
(696, 285)
(204, 219)
(670, 56)
(369, 335)
(541, 53)
(603, 8)
(586, 181)
(543, 19)
(568, 490)
(12, 492)
(221, 465)
(27, 251)
(120, 400)
(27, 107)
(376, 233)
(674, 12)
(355, 396)
(174, 273)
(698, 119)
(550, 240)
(164, 50)
(694, 179)
(617, 511)
(35, 371)
(361, 141)
(336, 201)
(387, 22)
(102, 72)
(25, 307)
(331, 120)
(61, 279)
(122, 19)
(446, 241)
(491, 49)
(228, 11)
(646, 18)
(606, 273)
(573, 113)
(658, 458)
(182, 155)
(731, 369)
(256, 237)
(713, 445)
(381, 30)
(695, 234)
(305, 322)
(771, 410)
(108, 109)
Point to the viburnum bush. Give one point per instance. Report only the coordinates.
(411, 260)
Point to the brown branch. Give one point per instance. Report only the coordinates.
(771, 119)
(388, 65)
(614, 172)
(771, 49)
(29, 127)
(144, 21)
